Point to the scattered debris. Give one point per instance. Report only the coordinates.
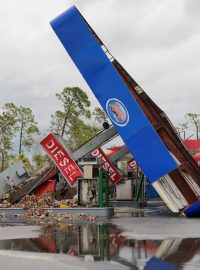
(46, 201)
(5, 204)
(46, 215)
(36, 209)
(35, 176)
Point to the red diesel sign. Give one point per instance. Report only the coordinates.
(64, 162)
(133, 165)
(106, 164)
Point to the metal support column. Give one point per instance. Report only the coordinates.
(107, 188)
(100, 187)
(139, 188)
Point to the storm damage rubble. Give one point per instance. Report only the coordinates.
(41, 206)
(36, 208)
(4, 201)
(49, 215)
(46, 201)
(33, 177)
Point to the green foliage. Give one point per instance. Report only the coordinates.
(40, 161)
(99, 117)
(79, 133)
(7, 122)
(11, 159)
(13, 121)
(25, 160)
(75, 102)
(181, 129)
(76, 123)
(57, 122)
(192, 123)
(25, 124)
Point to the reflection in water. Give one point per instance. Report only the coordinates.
(96, 242)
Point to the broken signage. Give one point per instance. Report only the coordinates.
(62, 159)
(134, 166)
(114, 175)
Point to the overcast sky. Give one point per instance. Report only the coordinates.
(158, 42)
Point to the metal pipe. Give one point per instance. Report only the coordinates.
(138, 191)
(100, 187)
(108, 241)
(101, 241)
(107, 188)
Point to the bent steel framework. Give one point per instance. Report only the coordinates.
(143, 126)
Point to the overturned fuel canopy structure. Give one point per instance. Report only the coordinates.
(145, 130)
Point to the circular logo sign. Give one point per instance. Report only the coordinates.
(117, 112)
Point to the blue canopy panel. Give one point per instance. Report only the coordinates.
(193, 210)
(129, 120)
(158, 264)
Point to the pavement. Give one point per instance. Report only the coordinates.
(152, 223)
(19, 232)
(158, 227)
(18, 260)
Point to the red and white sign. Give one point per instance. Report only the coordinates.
(114, 175)
(133, 165)
(64, 162)
(197, 158)
(72, 252)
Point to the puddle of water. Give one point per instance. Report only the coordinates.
(104, 242)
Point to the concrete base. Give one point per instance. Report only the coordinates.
(96, 211)
(128, 204)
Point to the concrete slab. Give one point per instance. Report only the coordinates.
(153, 228)
(26, 260)
(19, 232)
(128, 204)
(96, 211)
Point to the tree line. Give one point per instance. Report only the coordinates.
(75, 122)
(191, 126)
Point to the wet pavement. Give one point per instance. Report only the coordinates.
(148, 240)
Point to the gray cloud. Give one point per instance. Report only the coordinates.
(156, 41)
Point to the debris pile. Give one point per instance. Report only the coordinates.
(35, 176)
(36, 208)
(4, 201)
(31, 201)
(46, 215)
(46, 201)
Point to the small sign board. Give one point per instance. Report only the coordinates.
(114, 175)
(62, 159)
(134, 166)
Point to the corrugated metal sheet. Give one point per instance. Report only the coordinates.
(17, 173)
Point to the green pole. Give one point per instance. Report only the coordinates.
(100, 187)
(101, 241)
(108, 241)
(107, 187)
(139, 187)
